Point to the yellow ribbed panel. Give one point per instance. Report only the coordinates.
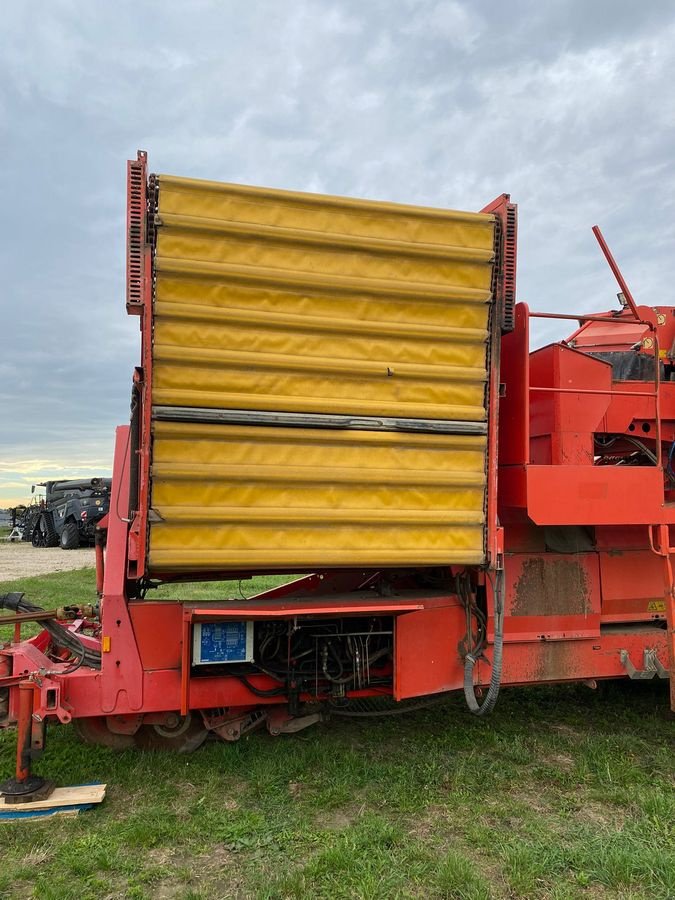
(273, 301)
(227, 496)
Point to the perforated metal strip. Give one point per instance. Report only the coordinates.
(136, 225)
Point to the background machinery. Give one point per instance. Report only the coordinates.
(68, 514)
(345, 389)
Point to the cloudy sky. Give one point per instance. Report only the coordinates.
(568, 105)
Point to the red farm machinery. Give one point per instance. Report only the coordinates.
(345, 389)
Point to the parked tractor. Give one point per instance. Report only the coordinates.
(68, 514)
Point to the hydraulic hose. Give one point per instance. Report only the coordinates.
(61, 636)
(490, 701)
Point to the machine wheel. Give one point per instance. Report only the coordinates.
(44, 534)
(94, 730)
(70, 536)
(186, 735)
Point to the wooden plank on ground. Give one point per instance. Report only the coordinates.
(63, 801)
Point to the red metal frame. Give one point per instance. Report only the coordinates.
(597, 610)
(140, 301)
(504, 293)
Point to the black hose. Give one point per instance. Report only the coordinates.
(275, 692)
(490, 701)
(378, 713)
(60, 636)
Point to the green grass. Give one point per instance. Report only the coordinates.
(79, 586)
(562, 793)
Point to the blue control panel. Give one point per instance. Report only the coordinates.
(222, 642)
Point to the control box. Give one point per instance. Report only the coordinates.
(222, 642)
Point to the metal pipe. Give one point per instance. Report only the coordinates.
(557, 390)
(625, 290)
(99, 542)
(615, 320)
(36, 616)
(24, 731)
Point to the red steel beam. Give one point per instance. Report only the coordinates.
(616, 271)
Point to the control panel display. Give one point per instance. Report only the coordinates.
(222, 642)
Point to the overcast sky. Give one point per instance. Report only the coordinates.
(569, 106)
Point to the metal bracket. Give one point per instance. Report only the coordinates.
(652, 666)
(280, 721)
(232, 728)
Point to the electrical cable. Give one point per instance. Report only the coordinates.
(488, 704)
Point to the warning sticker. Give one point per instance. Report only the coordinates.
(656, 606)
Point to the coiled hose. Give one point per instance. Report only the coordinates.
(490, 701)
(61, 636)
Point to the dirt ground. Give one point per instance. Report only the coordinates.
(21, 560)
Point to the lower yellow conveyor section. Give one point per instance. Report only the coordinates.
(229, 496)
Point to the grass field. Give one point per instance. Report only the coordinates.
(563, 792)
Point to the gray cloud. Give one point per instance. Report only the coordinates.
(566, 105)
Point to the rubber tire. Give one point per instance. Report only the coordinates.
(94, 730)
(70, 536)
(187, 741)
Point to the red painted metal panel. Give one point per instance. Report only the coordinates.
(632, 586)
(512, 489)
(157, 627)
(596, 495)
(558, 661)
(551, 596)
(427, 658)
(514, 406)
(562, 423)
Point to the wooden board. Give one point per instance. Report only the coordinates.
(65, 801)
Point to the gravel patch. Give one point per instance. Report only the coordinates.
(22, 560)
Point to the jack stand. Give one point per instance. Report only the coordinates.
(26, 787)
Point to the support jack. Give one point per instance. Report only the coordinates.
(26, 787)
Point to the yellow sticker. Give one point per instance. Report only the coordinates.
(662, 354)
(656, 606)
